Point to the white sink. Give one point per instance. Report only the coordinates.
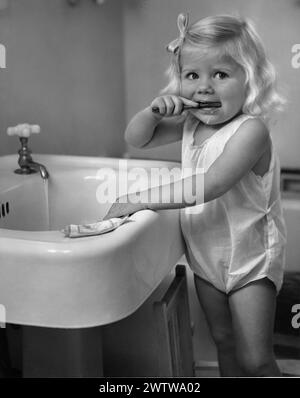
(52, 281)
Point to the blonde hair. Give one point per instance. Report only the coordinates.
(232, 37)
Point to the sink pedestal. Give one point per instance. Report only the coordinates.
(154, 341)
(51, 352)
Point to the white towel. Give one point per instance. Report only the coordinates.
(98, 228)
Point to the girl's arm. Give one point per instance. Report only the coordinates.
(148, 130)
(240, 155)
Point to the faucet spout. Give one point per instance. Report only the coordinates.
(41, 168)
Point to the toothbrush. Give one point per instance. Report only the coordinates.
(217, 104)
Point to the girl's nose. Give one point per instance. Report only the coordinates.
(205, 87)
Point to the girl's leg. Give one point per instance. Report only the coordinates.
(252, 310)
(216, 309)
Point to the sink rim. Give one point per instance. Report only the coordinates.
(62, 163)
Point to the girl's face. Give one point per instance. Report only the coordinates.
(213, 78)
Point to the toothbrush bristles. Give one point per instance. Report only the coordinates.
(203, 104)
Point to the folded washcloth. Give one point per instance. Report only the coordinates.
(98, 228)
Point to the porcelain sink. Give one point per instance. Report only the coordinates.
(49, 280)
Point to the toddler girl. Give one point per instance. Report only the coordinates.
(220, 92)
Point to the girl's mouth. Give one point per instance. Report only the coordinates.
(208, 107)
(209, 104)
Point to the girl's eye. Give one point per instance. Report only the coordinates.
(192, 76)
(221, 75)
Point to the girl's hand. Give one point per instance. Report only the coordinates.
(123, 207)
(171, 105)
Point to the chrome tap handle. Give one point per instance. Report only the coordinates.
(24, 130)
(25, 161)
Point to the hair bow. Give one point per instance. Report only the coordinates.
(182, 23)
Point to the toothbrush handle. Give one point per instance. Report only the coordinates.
(203, 104)
(155, 109)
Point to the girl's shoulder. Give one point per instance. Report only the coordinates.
(255, 125)
(252, 133)
(244, 131)
(245, 125)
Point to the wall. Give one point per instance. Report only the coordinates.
(65, 72)
(151, 24)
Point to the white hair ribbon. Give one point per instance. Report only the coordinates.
(182, 23)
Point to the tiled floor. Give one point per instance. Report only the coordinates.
(287, 351)
(289, 367)
(207, 369)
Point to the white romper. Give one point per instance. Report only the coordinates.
(239, 237)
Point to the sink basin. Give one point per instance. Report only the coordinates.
(49, 280)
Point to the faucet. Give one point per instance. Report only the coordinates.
(25, 161)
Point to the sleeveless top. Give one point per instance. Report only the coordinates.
(239, 237)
